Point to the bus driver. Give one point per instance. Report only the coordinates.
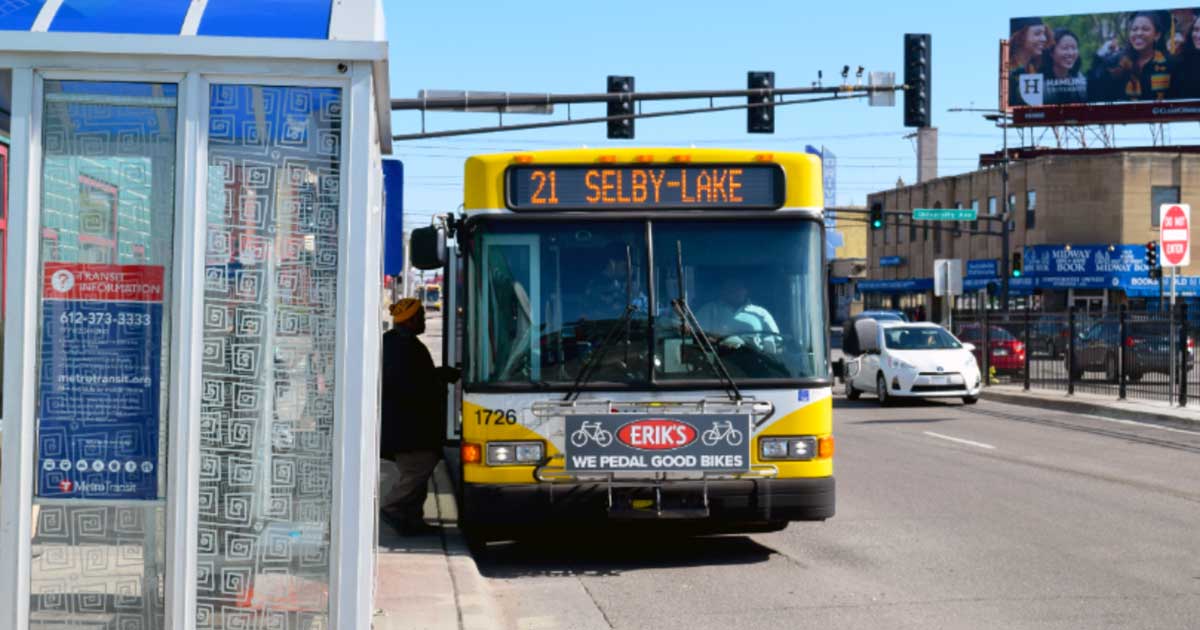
(733, 321)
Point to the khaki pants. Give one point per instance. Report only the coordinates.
(406, 499)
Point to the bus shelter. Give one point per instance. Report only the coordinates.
(192, 250)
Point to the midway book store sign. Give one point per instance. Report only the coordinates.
(1086, 266)
(98, 427)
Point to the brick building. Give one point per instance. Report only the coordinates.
(1080, 219)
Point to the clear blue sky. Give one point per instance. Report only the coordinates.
(571, 46)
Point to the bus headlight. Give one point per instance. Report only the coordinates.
(799, 448)
(514, 453)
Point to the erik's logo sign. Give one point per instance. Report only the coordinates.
(1029, 86)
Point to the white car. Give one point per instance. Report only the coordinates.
(917, 360)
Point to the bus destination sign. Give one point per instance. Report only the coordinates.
(548, 188)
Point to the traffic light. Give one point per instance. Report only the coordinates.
(876, 216)
(1015, 268)
(1152, 259)
(917, 101)
(760, 119)
(620, 129)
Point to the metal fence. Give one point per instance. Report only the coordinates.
(1144, 355)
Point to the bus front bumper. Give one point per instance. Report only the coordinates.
(728, 502)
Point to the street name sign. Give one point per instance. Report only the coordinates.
(1174, 220)
(944, 214)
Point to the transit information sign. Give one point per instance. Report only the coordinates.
(101, 362)
(549, 188)
(944, 214)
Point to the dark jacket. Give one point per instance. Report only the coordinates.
(1117, 78)
(1186, 81)
(412, 397)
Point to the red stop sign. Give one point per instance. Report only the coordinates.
(1174, 232)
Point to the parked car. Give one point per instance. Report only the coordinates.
(1147, 349)
(1049, 337)
(1006, 354)
(912, 360)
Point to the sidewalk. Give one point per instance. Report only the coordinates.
(430, 582)
(1096, 404)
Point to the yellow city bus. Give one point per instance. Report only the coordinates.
(645, 337)
(431, 296)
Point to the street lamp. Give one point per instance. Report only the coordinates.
(995, 115)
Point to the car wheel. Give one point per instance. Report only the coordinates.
(881, 391)
(970, 400)
(852, 393)
(1110, 369)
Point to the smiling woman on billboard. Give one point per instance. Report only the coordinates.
(1186, 80)
(1139, 71)
(1029, 40)
(1061, 64)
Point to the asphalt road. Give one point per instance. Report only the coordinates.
(991, 516)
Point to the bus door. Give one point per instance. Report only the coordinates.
(514, 315)
(452, 339)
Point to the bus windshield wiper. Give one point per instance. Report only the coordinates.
(625, 322)
(689, 322)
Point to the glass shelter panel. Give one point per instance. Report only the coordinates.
(267, 413)
(108, 191)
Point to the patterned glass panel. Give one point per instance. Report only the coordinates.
(268, 367)
(108, 209)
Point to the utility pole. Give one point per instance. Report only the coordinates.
(407, 266)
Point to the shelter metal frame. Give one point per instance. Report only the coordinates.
(194, 63)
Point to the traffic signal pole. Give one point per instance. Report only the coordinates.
(1005, 218)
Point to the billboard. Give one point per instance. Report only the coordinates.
(1129, 66)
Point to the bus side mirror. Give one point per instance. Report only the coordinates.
(427, 248)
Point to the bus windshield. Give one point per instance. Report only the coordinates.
(546, 296)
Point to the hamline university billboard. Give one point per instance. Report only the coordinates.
(1122, 67)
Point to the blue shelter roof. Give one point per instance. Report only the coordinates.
(294, 19)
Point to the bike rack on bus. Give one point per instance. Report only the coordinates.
(554, 475)
(759, 409)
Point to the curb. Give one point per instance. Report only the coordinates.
(477, 607)
(1081, 406)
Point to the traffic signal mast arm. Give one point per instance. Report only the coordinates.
(900, 215)
(819, 94)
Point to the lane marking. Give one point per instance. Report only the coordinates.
(960, 440)
(1141, 424)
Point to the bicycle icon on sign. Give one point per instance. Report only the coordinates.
(722, 431)
(591, 432)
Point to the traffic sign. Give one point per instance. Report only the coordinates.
(944, 214)
(1174, 220)
(947, 277)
